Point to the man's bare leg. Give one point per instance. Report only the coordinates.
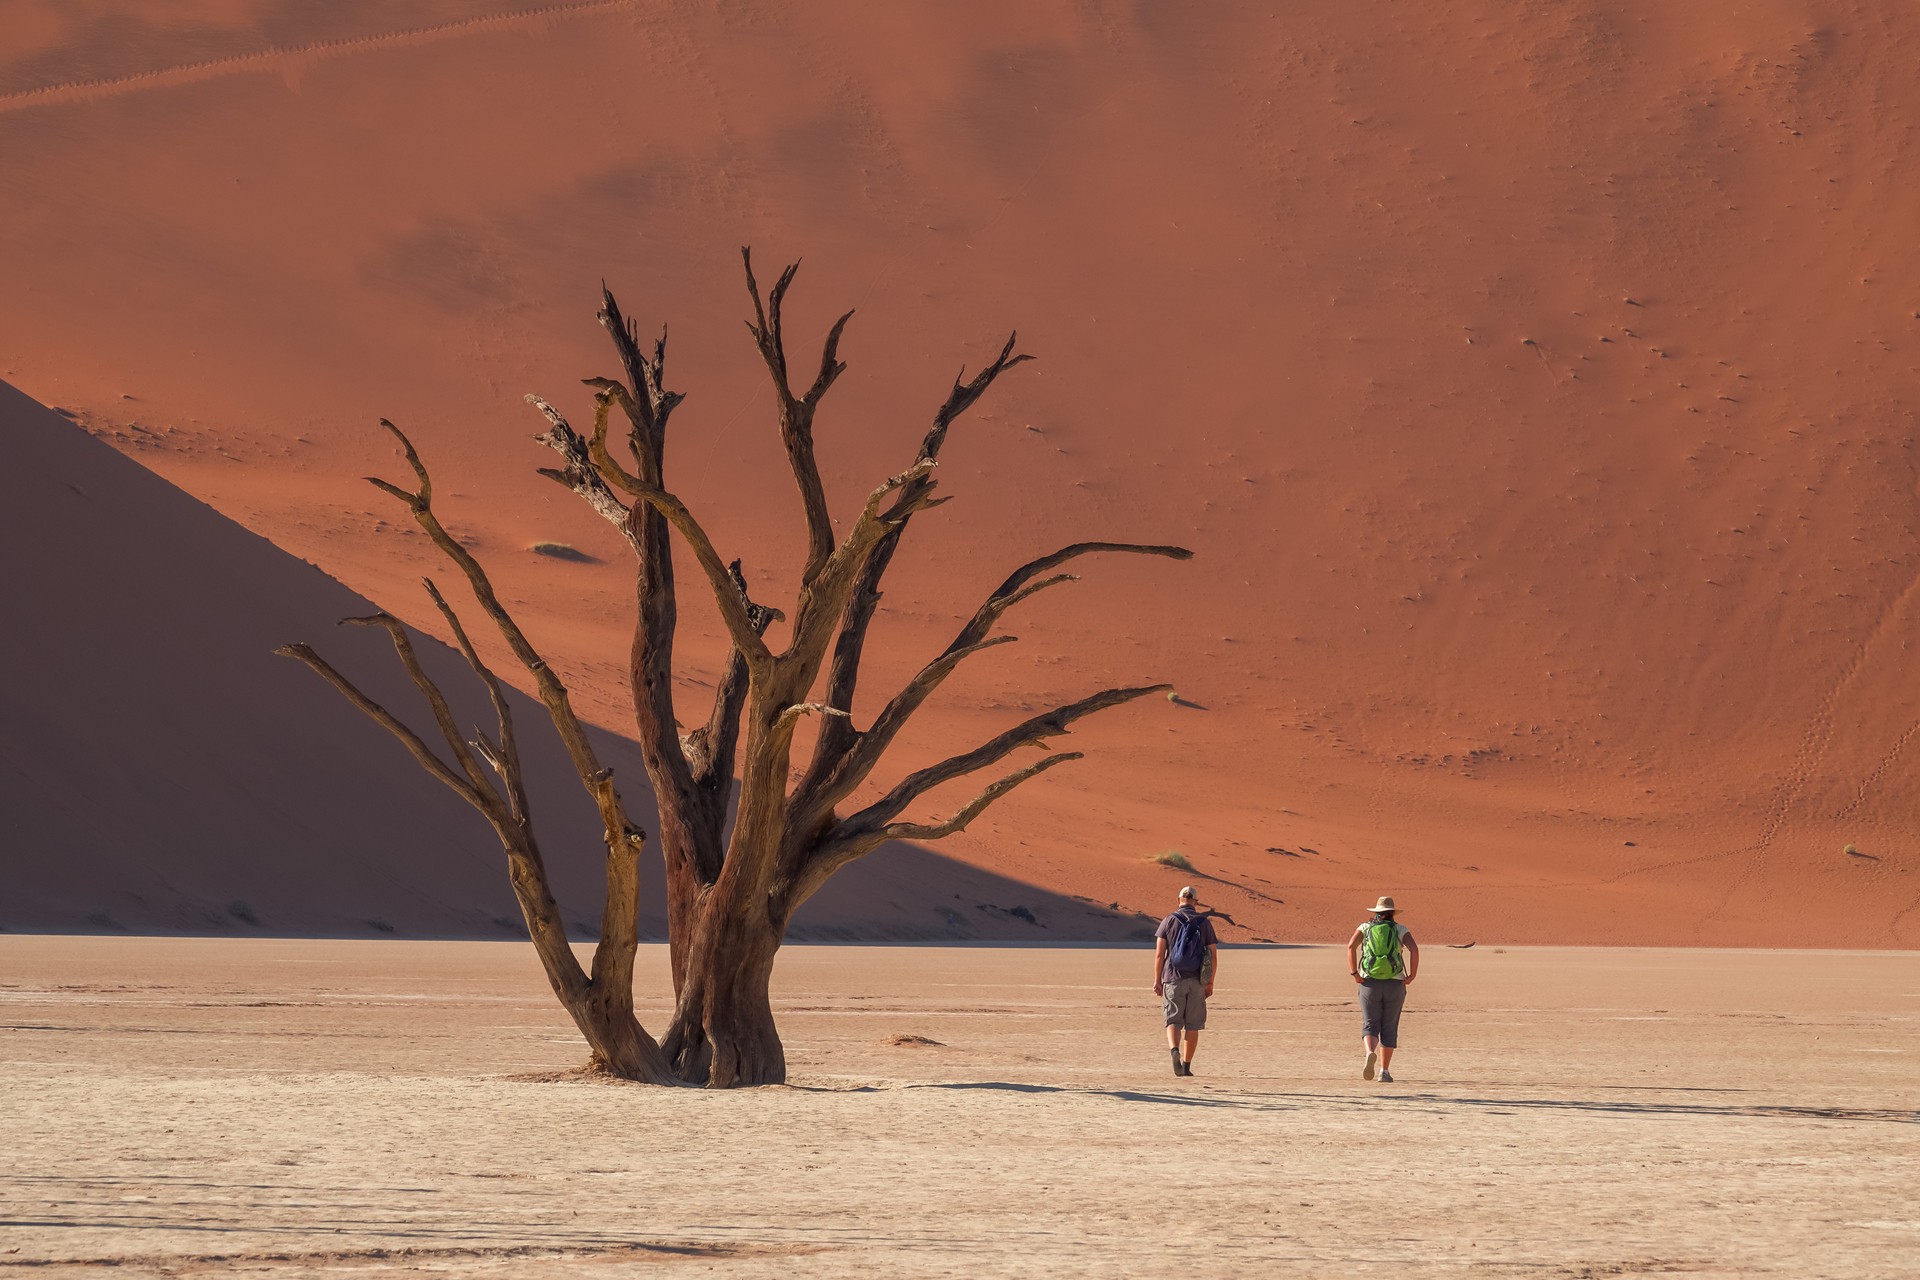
(1193, 1042)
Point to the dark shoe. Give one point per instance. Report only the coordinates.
(1175, 1055)
(1386, 1078)
(1186, 1068)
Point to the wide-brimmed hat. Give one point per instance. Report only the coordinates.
(1385, 904)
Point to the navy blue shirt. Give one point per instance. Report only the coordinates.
(1167, 926)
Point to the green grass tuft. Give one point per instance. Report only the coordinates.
(1173, 858)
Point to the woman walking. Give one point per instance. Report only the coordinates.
(1383, 959)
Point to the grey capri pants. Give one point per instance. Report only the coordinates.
(1381, 1000)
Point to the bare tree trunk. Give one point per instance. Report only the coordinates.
(685, 1044)
(743, 1042)
(603, 1011)
(723, 1033)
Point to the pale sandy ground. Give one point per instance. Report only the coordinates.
(192, 1107)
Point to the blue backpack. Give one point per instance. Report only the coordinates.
(1187, 948)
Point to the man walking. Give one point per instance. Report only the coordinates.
(1186, 960)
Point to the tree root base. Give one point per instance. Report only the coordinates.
(585, 1073)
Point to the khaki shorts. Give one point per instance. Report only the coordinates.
(1185, 1002)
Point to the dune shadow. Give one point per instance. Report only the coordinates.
(1604, 1106)
(907, 892)
(1734, 1110)
(1244, 1101)
(1124, 1095)
(274, 748)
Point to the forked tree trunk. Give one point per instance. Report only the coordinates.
(618, 1046)
(685, 1042)
(605, 1019)
(601, 1006)
(723, 1033)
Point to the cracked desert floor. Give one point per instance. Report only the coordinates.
(213, 1107)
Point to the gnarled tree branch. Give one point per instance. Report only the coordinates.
(608, 393)
(650, 404)
(973, 808)
(710, 748)
(848, 844)
(797, 412)
(1031, 732)
(823, 598)
(583, 472)
(843, 676)
(553, 694)
(504, 754)
(442, 713)
(863, 750)
(735, 608)
(690, 818)
(415, 745)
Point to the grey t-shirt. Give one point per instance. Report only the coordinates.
(1167, 926)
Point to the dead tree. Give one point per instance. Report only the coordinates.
(732, 886)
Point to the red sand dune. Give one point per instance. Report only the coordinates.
(1535, 384)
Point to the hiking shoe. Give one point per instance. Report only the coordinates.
(1366, 1070)
(1186, 1068)
(1386, 1077)
(1175, 1055)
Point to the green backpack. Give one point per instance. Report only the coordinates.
(1380, 950)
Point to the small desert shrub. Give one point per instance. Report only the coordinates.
(1851, 851)
(380, 925)
(241, 911)
(562, 551)
(1175, 859)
